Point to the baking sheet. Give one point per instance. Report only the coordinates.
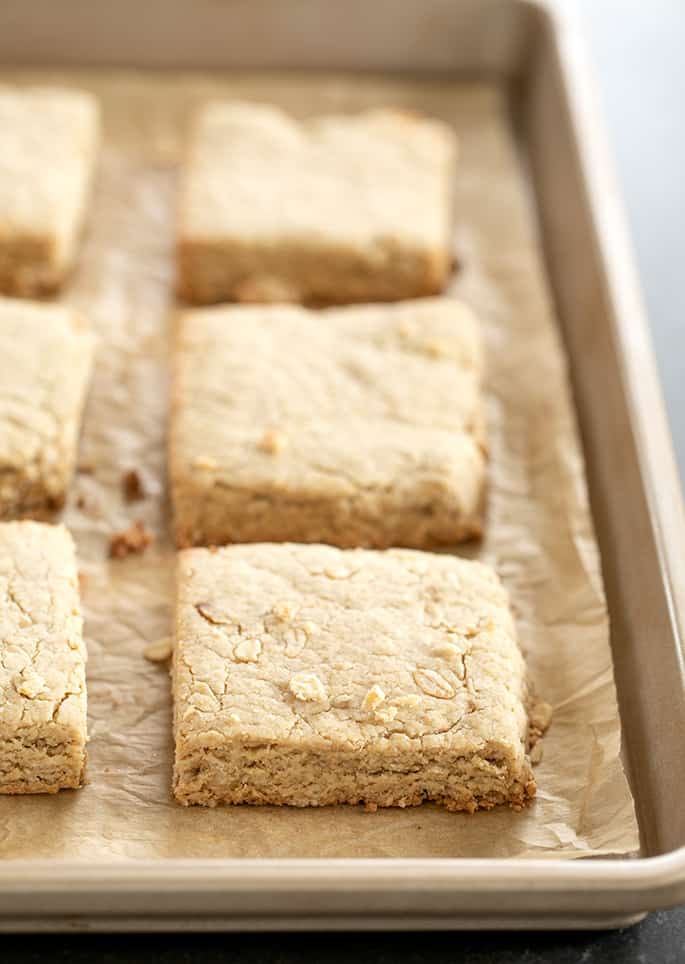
(539, 532)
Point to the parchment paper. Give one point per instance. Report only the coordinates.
(539, 531)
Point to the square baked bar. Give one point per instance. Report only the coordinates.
(357, 426)
(334, 210)
(46, 359)
(48, 143)
(307, 675)
(42, 661)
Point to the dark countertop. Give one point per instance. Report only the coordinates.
(637, 53)
(659, 940)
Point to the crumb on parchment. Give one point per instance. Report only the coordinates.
(132, 486)
(133, 540)
(160, 650)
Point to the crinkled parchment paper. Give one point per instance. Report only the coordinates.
(539, 532)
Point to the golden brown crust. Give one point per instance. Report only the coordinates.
(42, 661)
(357, 426)
(311, 275)
(47, 358)
(338, 210)
(48, 143)
(346, 677)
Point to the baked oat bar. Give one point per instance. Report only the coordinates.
(359, 427)
(42, 661)
(48, 144)
(334, 210)
(308, 676)
(46, 359)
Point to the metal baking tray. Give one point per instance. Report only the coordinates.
(635, 492)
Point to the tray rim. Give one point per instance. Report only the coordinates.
(640, 884)
(636, 885)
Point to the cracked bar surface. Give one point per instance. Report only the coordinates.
(48, 143)
(308, 676)
(46, 357)
(357, 426)
(334, 210)
(42, 661)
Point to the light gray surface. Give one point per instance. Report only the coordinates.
(636, 48)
